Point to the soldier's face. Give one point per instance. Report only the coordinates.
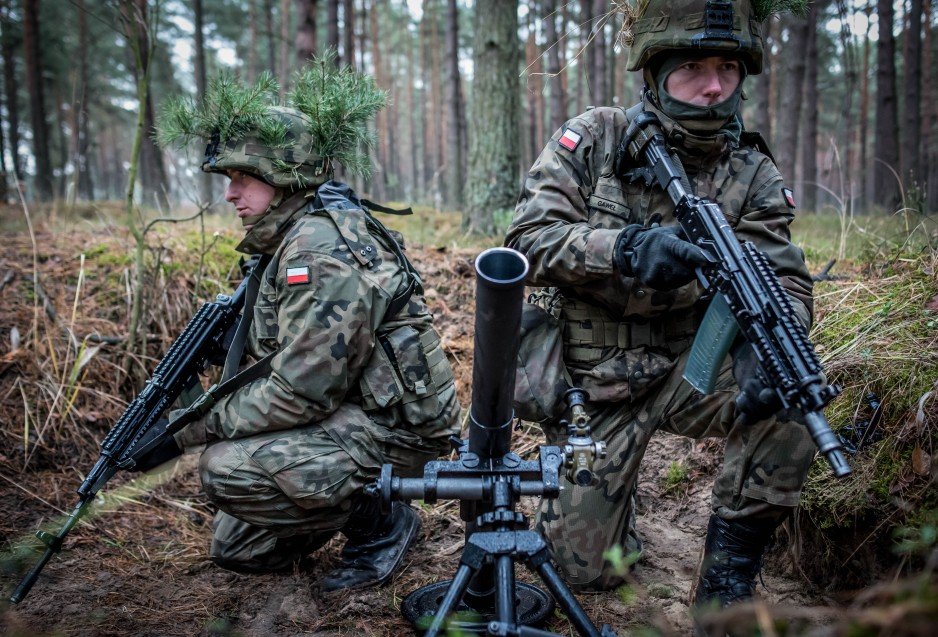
(251, 197)
(704, 82)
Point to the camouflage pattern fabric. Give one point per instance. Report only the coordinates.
(290, 163)
(764, 469)
(666, 25)
(349, 388)
(626, 343)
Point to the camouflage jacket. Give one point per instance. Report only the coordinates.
(572, 208)
(323, 306)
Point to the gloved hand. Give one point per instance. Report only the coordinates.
(660, 257)
(166, 450)
(755, 400)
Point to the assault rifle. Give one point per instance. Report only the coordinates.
(201, 342)
(747, 297)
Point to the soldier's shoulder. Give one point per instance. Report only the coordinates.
(752, 142)
(599, 120)
(313, 232)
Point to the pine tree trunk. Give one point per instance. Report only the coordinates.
(455, 159)
(532, 86)
(760, 120)
(252, 40)
(83, 184)
(271, 42)
(37, 108)
(930, 114)
(792, 84)
(11, 91)
(810, 111)
(558, 98)
(494, 152)
(886, 150)
(586, 88)
(865, 171)
(912, 82)
(332, 28)
(198, 54)
(285, 69)
(598, 57)
(774, 60)
(381, 121)
(348, 33)
(305, 30)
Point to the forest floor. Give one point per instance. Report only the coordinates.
(138, 565)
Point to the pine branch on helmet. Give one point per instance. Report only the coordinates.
(289, 147)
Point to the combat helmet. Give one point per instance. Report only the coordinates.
(655, 26)
(281, 154)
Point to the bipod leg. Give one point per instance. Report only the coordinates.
(540, 562)
(451, 600)
(505, 590)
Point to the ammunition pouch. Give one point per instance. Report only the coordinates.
(541, 378)
(614, 360)
(407, 371)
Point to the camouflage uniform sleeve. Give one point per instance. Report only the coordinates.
(325, 337)
(550, 225)
(765, 221)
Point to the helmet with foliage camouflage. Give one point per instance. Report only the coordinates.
(293, 146)
(280, 152)
(651, 27)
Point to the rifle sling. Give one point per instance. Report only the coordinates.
(236, 351)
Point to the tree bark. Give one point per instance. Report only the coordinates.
(809, 139)
(760, 120)
(494, 151)
(455, 159)
(252, 40)
(271, 42)
(285, 44)
(912, 91)
(198, 62)
(585, 88)
(598, 74)
(558, 97)
(8, 44)
(930, 113)
(789, 114)
(886, 150)
(81, 184)
(37, 108)
(863, 132)
(348, 33)
(305, 30)
(332, 28)
(381, 121)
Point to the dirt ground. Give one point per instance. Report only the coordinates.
(139, 565)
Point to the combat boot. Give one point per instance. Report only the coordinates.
(376, 545)
(732, 560)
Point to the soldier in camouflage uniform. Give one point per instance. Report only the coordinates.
(354, 374)
(621, 304)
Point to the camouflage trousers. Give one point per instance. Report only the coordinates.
(283, 494)
(764, 468)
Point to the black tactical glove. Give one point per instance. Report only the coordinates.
(660, 257)
(755, 400)
(165, 451)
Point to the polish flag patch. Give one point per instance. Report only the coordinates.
(570, 140)
(789, 197)
(297, 276)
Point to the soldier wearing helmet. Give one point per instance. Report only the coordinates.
(336, 365)
(621, 303)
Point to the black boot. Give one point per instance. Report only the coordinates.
(376, 545)
(732, 559)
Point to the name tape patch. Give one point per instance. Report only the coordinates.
(570, 140)
(297, 276)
